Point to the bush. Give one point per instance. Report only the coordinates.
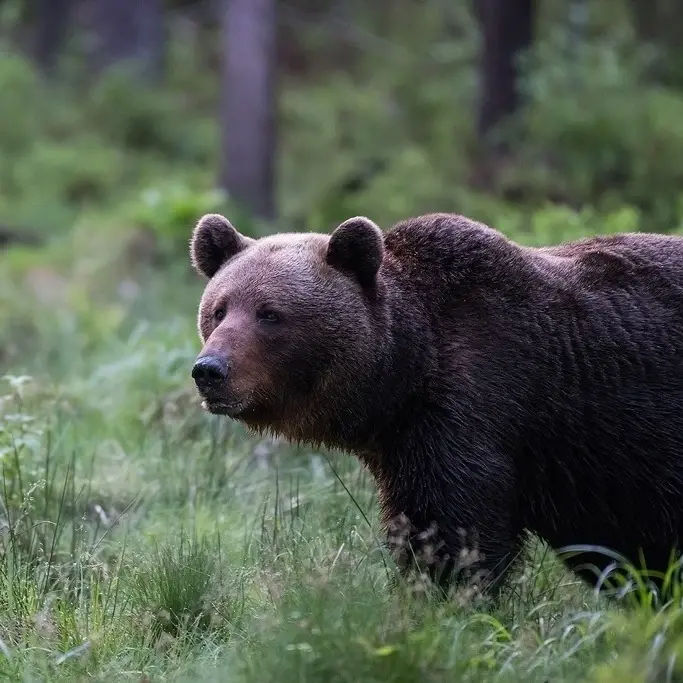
(598, 134)
(83, 172)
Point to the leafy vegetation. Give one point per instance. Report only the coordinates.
(141, 539)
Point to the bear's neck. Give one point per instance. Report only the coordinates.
(383, 396)
(359, 422)
(376, 396)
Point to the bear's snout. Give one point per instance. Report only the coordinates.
(209, 373)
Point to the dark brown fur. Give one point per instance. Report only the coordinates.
(490, 388)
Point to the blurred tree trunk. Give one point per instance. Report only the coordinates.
(659, 23)
(52, 24)
(130, 31)
(507, 30)
(249, 102)
(646, 18)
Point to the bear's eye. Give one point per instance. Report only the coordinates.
(267, 315)
(219, 313)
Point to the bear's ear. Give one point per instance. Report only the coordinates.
(214, 241)
(357, 247)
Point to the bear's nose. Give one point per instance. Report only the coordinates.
(209, 369)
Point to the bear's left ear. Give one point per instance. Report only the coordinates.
(357, 247)
(214, 241)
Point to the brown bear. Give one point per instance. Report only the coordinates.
(492, 389)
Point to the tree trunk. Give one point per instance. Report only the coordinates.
(132, 32)
(507, 30)
(52, 23)
(658, 22)
(249, 102)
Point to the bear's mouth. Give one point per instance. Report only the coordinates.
(222, 408)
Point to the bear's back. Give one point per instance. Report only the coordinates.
(450, 258)
(618, 259)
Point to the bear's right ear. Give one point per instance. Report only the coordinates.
(214, 241)
(357, 248)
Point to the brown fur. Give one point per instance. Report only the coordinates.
(489, 387)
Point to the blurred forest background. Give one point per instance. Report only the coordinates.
(141, 539)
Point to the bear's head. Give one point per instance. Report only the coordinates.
(292, 325)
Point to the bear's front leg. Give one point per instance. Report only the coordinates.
(451, 558)
(455, 521)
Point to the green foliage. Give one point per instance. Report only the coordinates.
(166, 210)
(144, 120)
(178, 589)
(47, 555)
(20, 113)
(85, 171)
(598, 134)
